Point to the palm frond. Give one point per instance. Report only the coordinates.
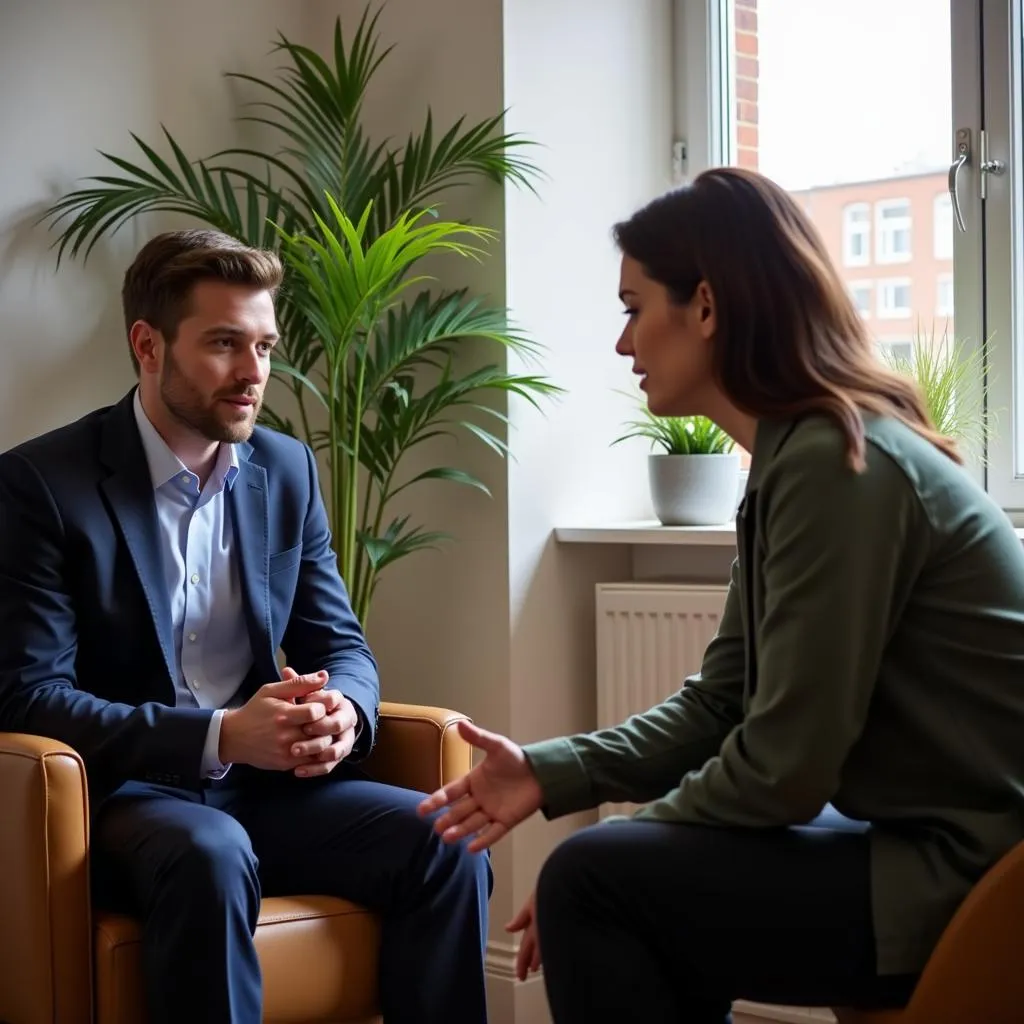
(154, 186)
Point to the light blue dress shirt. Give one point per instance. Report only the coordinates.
(212, 650)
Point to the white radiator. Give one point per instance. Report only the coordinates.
(650, 636)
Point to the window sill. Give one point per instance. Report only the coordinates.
(651, 532)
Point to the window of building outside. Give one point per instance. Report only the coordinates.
(894, 224)
(899, 348)
(857, 235)
(944, 296)
(894, 299)
(863, 295)
(868, 157)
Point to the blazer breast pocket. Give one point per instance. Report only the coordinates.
(286, 559)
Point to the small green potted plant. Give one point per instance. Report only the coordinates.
(951, 378)
(695, 478)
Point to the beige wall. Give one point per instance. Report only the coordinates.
(605, 142)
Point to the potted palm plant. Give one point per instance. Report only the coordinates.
(694, 479)
(371, 362)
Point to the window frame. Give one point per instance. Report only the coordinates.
(1000, 233)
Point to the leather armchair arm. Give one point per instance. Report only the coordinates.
(45, 928)
(418, 747)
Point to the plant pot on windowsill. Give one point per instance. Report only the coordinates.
(695, 478)
(694, 490)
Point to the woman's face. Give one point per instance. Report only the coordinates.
(670, 344)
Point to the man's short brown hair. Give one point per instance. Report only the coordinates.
(158, 284)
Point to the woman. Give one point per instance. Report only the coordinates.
(850, 758)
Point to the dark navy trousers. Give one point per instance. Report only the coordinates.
(665, 923)
(192, 865)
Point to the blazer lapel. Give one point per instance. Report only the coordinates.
(129, 491)
(250, 511)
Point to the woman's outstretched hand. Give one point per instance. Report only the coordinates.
(528, 956)
(492, 798)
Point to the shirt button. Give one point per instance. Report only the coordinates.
(184, 478)
(195, 577)
(192, 637)
(195, 684)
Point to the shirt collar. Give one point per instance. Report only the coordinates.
(164, 465)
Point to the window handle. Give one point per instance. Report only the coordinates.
(963, 157)
(988, 166)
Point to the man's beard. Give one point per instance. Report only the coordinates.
(187, 405)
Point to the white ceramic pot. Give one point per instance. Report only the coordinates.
(694, 490)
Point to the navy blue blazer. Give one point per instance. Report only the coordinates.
(85, 627)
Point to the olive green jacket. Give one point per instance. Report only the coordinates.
(870, 655)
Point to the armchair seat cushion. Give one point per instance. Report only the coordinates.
(318, 955)
(63, 963)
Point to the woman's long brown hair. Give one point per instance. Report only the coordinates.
(789, 340)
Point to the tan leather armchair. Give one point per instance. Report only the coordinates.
(974, 974)
(60, 963)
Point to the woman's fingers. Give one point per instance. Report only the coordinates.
(521, 920)
(444, 796)
(527, 956)
(456, 815)
(489, 742)
(467, 827)
(487, 837)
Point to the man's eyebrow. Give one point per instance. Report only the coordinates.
(236, 332)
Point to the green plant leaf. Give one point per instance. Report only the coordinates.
(458, 476)
(677, 435)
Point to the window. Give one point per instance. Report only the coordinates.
(900, 349)
(944, 295)
(862, 293)
(856, 234)
(940, 73)
(942, 221)
(894, 299)
(893, 225)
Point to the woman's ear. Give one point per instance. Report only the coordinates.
(704, 305)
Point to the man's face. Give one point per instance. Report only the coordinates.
(211, 377)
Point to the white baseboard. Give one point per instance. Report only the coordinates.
(509, 1000)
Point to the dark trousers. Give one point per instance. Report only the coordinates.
(669, 923)
(193, 867)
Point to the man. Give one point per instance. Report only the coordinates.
(154, 556)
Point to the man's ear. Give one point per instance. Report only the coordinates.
(145, 341)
